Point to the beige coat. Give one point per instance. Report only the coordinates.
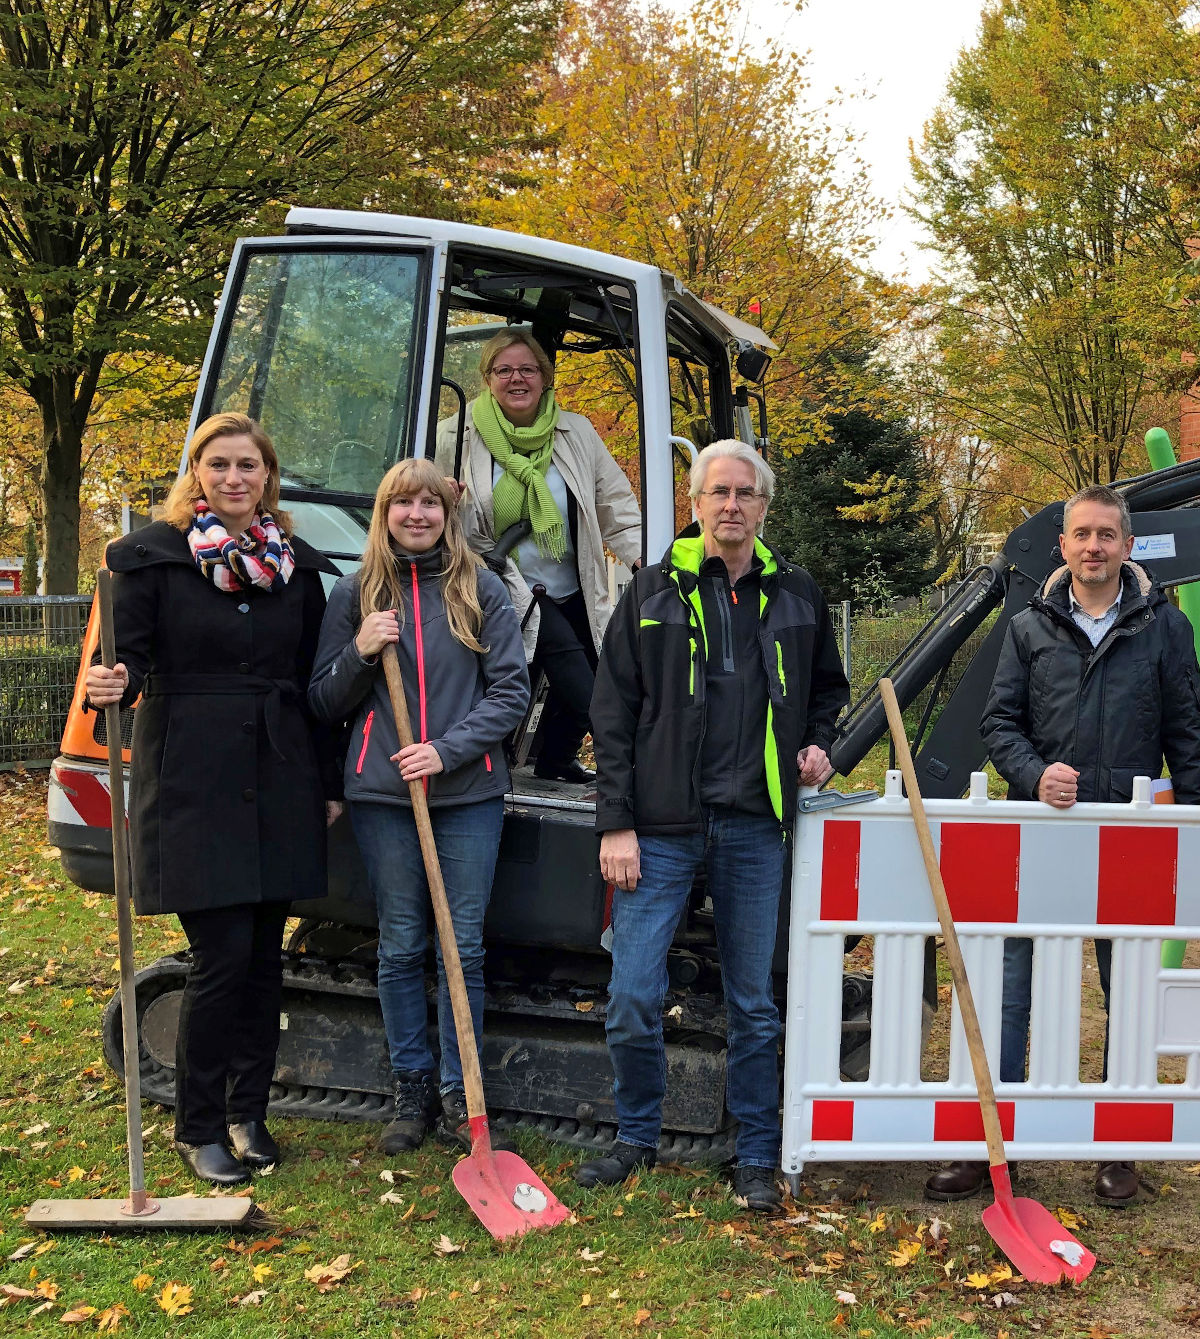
(608, 512)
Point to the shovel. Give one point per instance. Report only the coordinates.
(139, 1211)
(501, 1189)
(1032, 1238)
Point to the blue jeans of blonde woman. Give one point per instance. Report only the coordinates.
(468, 838)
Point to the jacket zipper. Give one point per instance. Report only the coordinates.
(779, 666)
(692, 667)
(366, 739)
(416, 591)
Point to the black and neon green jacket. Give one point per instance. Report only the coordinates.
(649, 707)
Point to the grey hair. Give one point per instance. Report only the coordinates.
(732, 448)
(1106, 497)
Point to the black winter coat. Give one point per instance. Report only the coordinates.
(226, 795)
(1113, 712)
(649, 705)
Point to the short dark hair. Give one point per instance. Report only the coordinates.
(1106, 497)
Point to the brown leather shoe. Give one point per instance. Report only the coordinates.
(961, 1180)
(1116, 1184)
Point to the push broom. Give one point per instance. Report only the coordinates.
(139, 1212)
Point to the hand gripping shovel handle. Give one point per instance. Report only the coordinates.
(463, 1024)
(1032, 1238)
(138, 1202)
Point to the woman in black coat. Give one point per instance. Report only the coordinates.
(218, 610)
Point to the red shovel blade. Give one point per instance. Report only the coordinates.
(1032, 1238)
(506, 1194)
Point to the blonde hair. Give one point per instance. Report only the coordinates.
(380, 586)
(516, 334)
(179, 509)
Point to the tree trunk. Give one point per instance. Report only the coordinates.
(62, 452)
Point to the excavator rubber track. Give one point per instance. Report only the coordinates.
(544, 1053)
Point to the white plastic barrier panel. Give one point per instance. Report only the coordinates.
(1129, 873)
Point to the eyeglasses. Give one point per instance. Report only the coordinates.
(721, 494)
(506, 373)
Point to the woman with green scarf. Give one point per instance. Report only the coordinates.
(525, 459)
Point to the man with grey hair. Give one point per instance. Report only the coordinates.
(1097, 681)
(718, 687)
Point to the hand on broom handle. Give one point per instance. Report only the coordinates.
(958, 968)
(463, 1023)
(120, 841)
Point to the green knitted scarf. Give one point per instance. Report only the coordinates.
(524, 456)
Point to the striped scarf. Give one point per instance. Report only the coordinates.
(259, 556)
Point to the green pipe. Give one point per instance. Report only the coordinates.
(1162, 455)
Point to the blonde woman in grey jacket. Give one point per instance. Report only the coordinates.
(423, 591)
(525, 459)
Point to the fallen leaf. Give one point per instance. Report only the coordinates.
(417, 1294)
(219, 1263)
(390, 1197)
(978, 1280)
(821, 1227)
(588, 1254)
(584, 1006)
(878, 1223)
(75, 1174)
(846, 1299)
(388, 1176)
(446, 1247)
(253, 1298)
(109, 1320)
(175, 1299)
(47, 1288)
(691, 1213)
(904, 1254)
(22, 1251)
(1002, 1273)
(45, 1306)
(329, 1276)
(142, 1281)
(585, 1300)
(1068, 1219)
(77, 1314)
(15, 1294)
(640, 1317)
(1003, 1299)
(262, 1273)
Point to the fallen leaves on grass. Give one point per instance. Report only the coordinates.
(878, 1223)
(77, 1314)
(327, 1277)
(904, 1254)
(845, 1298)
(445, 1246)
(1068, 1218)
(142, 1281)
(9, 1292)
(109, 1320)
(588, 1254)
(22, 1251)
(262, 1273)
(254, 1298)
(390, 1197)
(175, 1299)
(640, 1317)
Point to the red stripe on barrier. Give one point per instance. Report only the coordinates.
(839, 870)
(832, 1119)
(964, 1120)
(1134, 1121)
(980, 863)
(1137, 875)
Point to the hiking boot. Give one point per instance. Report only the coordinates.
(617, 1166)
(1116, 1184)
(454, 1125)
(962, 1181)
(754, 1188)
(416, 1105)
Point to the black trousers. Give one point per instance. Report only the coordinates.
(229, 1019)
(566, 653)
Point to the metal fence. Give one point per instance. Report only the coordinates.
(40, 641)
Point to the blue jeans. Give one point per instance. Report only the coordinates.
(467, 837)
(743, 855)
(1014, 1004)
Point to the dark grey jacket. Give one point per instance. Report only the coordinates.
(1114, 712)
(461, 702)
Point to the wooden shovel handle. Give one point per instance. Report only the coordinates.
(958, 968)
(121, 880)
(463, 1023)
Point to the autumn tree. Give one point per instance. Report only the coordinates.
(1057, 179)
(136, 140)
(679, 142)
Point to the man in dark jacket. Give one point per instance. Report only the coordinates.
(1097, 681)
(719, 679)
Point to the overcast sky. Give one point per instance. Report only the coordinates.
(901, 53)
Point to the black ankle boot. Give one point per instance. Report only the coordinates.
(253, 1144)
(617, 1166)
(416, 1107)
(213, 1162)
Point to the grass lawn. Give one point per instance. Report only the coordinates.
(859, 1254)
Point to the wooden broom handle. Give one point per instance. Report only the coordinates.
(452, 964)
(958, 968)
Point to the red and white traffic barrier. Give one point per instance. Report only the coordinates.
(1125, 872)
